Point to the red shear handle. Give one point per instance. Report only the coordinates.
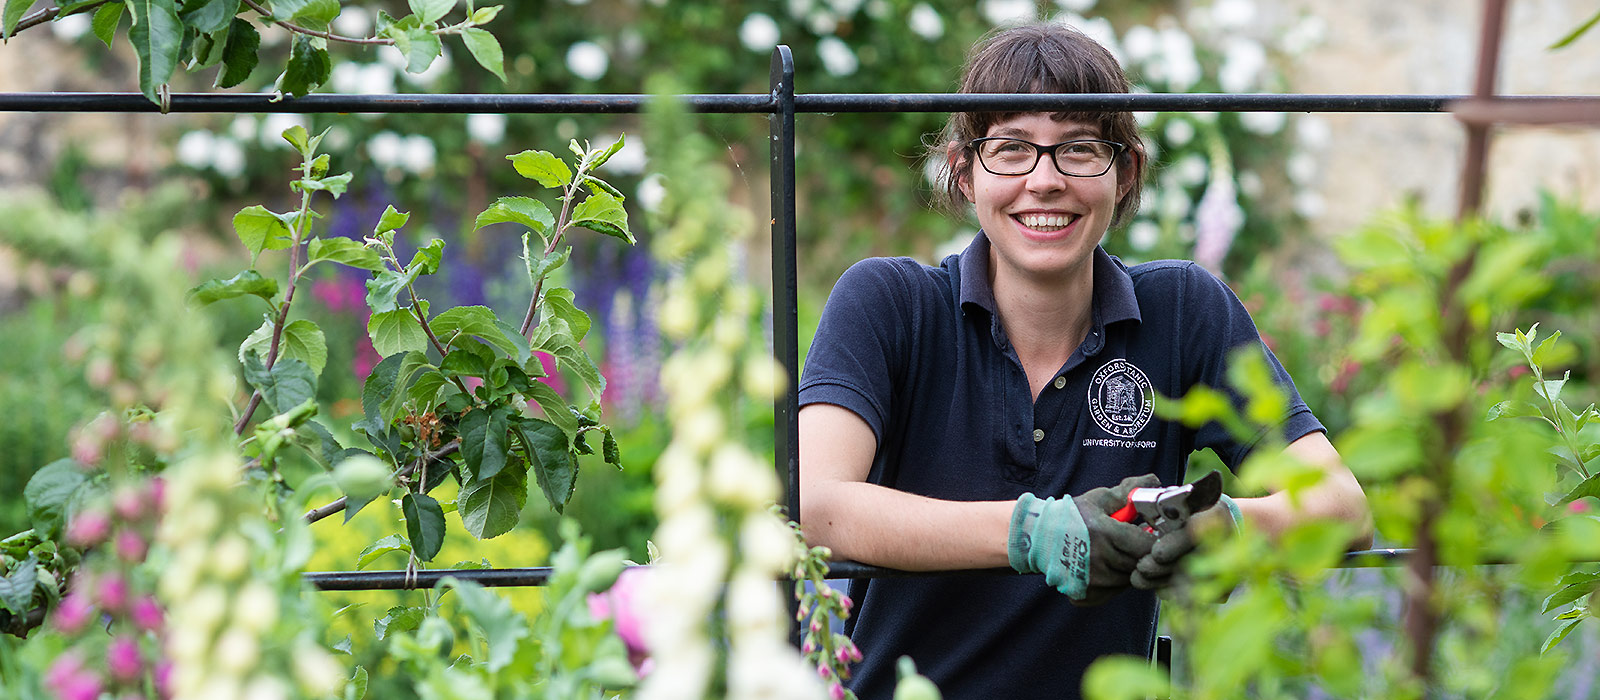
(1126, 513)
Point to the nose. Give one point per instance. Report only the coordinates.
(1046, 177)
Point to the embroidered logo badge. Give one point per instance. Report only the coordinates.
(1121, 398)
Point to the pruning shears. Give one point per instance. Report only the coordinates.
(1167, 508)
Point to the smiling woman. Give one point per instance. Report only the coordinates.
(998, 409)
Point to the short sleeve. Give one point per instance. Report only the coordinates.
(858, 351)
(1220, 326)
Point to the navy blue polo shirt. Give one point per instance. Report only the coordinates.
(919, 353)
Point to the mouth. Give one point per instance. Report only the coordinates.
(1045, 222)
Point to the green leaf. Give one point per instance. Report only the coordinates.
(312, 14)
(542, 167)
(157, 37)
(499, 624)
(1513, 409)
(426, 389)
(1550, 389)
(485, 15)
(558, 303)
(603, 156)
(333, 184)
(1511, 340)
(49, 491)
(430, 11)
(1589, 487)
(356, 689)
(491, 507)
(424, 524)
(554, 466)
(399, 619)
(486, 49)
(16, 590)
(555, 409)
(392, 219)
(413, 365)
(379, 385)
(260, 229)
(597, 185)
(1571, 587)
(603, 213)
(207, 16)
(466, 361)
(545, 264)
(106, 20)
(527, 211)
(381, 290)
(428, 257)
(484, 443)
(519, 344)
(1574, 34)
(246, 282)
(345, 252)
(396, 331)
(302, 340)
(609, 450)
(239, 54)
(288, 384)
(476, 321)
(1121, 677)
(392, 543)
(1541, 355)
(418, 45)
(309, 67)
(13, 13)
(1558, 635)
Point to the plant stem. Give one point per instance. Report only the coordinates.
(301, 224)
(561, 231)
(339, 504)
(312, 32)
(46, 15)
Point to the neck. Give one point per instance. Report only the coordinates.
(1044, 316)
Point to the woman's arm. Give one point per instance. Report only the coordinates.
(877, 525)
(1338, 496)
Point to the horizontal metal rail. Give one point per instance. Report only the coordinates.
(540, 575)
(119, 102)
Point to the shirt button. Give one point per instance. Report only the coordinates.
(1038, 435)
(1061, 382)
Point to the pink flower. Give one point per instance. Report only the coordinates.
(70, 680)
(112, 593)
(146, 614)
(845, 602)
(128, 503)
(131, 547)
(842, 655)
(808, 648)
(1578, 506)
(621, 605)
(124, 660)
(164, 679)
(824, 672)
(73, 613)
(836, 691)
(88, 528)
(158, 494)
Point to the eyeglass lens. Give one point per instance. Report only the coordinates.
(1016, 157)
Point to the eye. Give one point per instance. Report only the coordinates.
(1010, 147)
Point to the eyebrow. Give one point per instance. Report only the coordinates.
(1080, 132)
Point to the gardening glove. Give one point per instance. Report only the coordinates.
(1155, 570)
(1076, 544)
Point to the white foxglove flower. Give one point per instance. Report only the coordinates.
(71, 27)
(1006, 12)
(1242, 63)
(925, 21)
(417, 154)
(487, 129)
(353, 20)
(1179, 132)
(384, 149)
(1263, 123)
(194, 149)
(759, 32)
(1144, 235)
(588, 60)
(837, 58)
(1140, 43)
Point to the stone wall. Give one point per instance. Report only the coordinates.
(1374, 161)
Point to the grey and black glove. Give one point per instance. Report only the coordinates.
(1075, 543)
(1155, 570)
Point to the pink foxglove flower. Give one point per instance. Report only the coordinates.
(88, 528)
(146, 614)
(112, 593)
(131, 547)
(73, 613)
(622, 606)
(124, 661)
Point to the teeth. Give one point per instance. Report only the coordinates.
(1046, 221)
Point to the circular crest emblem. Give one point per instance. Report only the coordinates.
(1121, 398)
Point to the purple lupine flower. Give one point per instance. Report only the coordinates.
(1216, 220)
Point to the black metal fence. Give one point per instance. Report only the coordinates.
(781, 104)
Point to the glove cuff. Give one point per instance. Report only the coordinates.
(1019, 540)
(1233, 510)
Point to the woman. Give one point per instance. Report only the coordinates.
(995, 410)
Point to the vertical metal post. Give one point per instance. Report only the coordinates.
(785, 288)
(1474, 162)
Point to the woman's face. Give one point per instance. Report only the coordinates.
(1042, 225)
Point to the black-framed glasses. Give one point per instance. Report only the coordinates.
(1002, 155)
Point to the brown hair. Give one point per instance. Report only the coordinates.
(1038, 58)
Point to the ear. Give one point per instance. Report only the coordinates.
(1127, 174)
(959, 169)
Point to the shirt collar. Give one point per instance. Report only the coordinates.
(1114, 298)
